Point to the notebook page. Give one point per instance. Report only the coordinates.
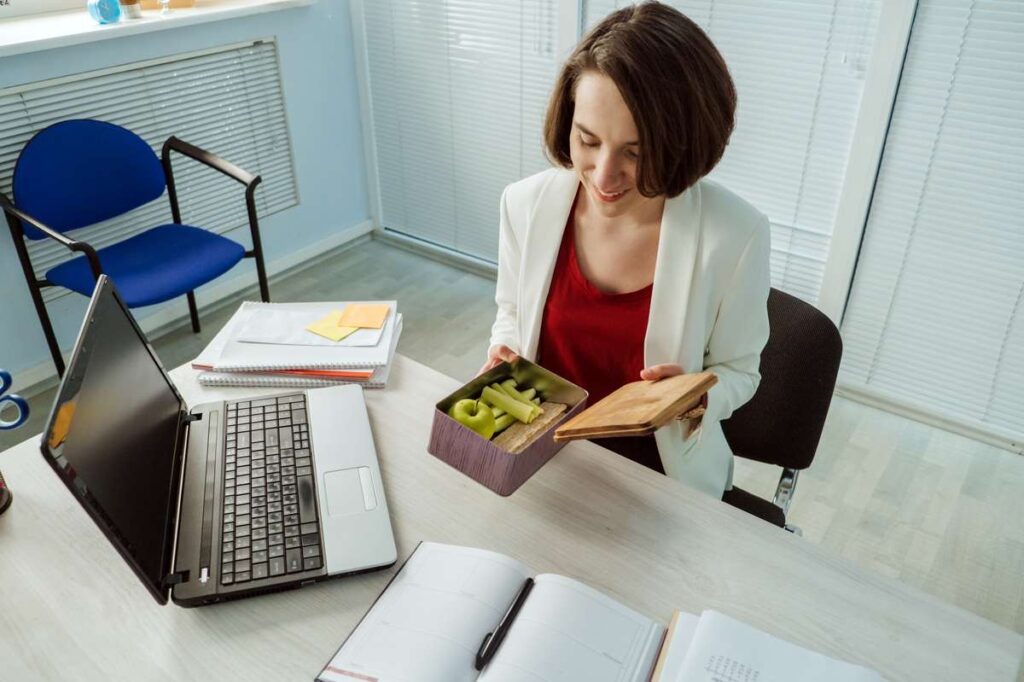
(677, 643)
(726, 650)
(428, 625)
(567, 631)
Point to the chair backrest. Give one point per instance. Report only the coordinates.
(78, 172)
(782, 423)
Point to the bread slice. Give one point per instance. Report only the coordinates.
(517, 437)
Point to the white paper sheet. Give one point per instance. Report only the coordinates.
(285, 323)
(567, 631)
(726, 650)
(428, 625)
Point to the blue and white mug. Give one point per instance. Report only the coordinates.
(6, 400)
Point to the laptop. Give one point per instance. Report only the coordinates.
(223, 500)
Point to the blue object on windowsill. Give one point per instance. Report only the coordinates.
(104, 11)
(20, 403)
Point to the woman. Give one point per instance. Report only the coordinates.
(624, 264)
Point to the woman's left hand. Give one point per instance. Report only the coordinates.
(663, 371)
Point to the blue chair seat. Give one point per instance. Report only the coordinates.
(157, 265)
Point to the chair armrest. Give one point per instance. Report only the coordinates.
(72, 244)
(208, 158)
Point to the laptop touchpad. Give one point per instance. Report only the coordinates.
(349, 491)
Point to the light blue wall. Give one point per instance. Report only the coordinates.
(321, 93)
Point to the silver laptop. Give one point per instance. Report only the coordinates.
(223, 500)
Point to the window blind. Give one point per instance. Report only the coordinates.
(935, 316)
(228, 101)
(458, 91)
(798, 67)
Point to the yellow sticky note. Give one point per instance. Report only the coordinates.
(328, 327)
(364, 315)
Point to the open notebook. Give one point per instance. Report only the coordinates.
(428, 626)
(430, 622)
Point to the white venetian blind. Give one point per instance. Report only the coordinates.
(458, 91)
(936, 313)
(798, 67)
(227, 101)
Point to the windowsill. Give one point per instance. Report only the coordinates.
(61, 29)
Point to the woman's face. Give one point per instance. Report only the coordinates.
(603, 145)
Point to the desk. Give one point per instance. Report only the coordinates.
(72, 609)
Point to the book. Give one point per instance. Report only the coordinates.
(429, 625)
(375, 378)
(716, 648)
(229, 353)
(458, 613)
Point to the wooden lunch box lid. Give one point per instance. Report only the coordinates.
(638, 408)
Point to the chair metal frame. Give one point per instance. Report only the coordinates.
(16, 220)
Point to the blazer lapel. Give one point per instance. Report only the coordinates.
(678, 246)
(543, 239)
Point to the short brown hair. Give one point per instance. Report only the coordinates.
(673, 80)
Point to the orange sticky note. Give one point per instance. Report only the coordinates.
(328, 328)
(364, 315)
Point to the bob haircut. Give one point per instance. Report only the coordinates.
(673, 80)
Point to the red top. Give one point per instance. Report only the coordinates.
(591, 338)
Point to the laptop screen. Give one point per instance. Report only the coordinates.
(112, 437)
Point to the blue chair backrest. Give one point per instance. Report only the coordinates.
(76, 173)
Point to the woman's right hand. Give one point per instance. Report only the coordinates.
(497, 354)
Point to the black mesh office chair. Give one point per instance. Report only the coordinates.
(782, 423)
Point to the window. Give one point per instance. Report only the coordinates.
(799, 71)
(935, 320)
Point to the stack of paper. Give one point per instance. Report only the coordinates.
(303, 345)
(714, 647)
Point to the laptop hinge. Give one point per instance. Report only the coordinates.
(176, 578)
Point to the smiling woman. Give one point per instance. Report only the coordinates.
(624, 263)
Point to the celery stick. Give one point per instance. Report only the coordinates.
(522, 412)
(529, 393)
(535, 401)
(509, 386)
(503, 422)
(496, 411)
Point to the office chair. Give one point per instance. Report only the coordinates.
(79, 172)
(782, 423)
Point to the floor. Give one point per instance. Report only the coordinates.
(927, 507)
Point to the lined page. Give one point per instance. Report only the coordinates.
(428, 625)
(568, 632)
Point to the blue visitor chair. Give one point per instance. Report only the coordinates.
(79, 172)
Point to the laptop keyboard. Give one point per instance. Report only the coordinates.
(270, 524)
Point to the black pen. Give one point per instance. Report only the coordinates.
(493, 640)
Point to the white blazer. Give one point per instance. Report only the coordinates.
(708, 306)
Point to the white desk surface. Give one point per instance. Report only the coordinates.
(70, 608)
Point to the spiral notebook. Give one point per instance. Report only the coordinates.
(228, 353)
(378, 378)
